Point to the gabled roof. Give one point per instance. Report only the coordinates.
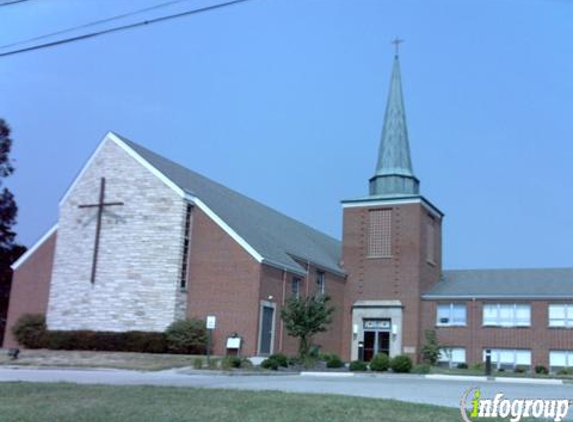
(535, 283)
(278, 239)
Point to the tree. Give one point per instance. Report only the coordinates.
(431, 349)
(9, 250)
(305, 317)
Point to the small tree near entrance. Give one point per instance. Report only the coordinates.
(305, 317)
(431, 348)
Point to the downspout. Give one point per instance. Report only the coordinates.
(281, 328)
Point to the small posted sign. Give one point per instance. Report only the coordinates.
(211, 322)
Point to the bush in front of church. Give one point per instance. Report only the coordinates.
(401, 364)
(105, 341)
(30, 331)
(380, 362)
(187, 337)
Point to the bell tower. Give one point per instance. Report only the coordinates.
(391, 246)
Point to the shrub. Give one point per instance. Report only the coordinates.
(271, 364)
(380, 362)
(520, 369)
(479, 366)
(431, 348)
(423, 368)
(462, 366)
(565, 371)
(358, 366)
(231, 362)
(30, 331)
(187, 337)
(333, 361)
(213, 364)
(401, 364)
(246, 364)
(541, 370)
(281, 359)
(131, 341)
(198, 363)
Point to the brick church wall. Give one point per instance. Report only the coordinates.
(31, 286)
(140, 251)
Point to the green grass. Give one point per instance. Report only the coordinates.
(24, 402)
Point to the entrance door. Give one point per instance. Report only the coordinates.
(267, 319)
(376, 338)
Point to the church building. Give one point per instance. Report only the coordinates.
(142, 241)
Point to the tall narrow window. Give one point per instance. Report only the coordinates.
(295, 287)
(321, 288)
(186, 241)
(431, 240)
(380, 234)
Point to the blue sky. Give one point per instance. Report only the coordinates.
(283, 100)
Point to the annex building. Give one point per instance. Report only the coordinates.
(142, 241)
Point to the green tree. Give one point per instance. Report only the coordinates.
(305, 317)
(431, 348)
(9, 250)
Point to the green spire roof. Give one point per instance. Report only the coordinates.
(394, 174)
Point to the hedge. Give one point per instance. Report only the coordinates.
(130, 341)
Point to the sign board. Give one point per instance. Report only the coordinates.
(211, 322)
(234, 343)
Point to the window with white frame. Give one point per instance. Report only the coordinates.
(561, 315)
(560, 359)
(507, 315)
(452, 356)
(509, 358)
(320, 282)
(295, 287)
(380, 234)
(451, 314)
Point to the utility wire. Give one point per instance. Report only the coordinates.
(122, 28)
(8, 3)
(89, 24)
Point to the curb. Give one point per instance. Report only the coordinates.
(327, 374)
(508, 380)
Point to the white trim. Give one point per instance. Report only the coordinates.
(30, 251)
(386, 202)
(84, 168)
(137, 157)
(266, 304)
(226, 228)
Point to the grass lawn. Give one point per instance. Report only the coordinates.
(115, 360)
(31, 402)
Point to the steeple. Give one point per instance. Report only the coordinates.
(394, 174)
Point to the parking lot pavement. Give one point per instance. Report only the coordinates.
(412, 388)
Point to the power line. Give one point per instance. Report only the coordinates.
(8, 3)
(122, 28)
(89, 24)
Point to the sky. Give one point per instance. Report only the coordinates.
(283, 100)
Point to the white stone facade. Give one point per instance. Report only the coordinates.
(137, 284)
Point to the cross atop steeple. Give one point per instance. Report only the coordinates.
(397, 41)
(394, 174)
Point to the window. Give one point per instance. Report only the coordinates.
(431, 241)
(320, 282)
(507, 315)
(451, 314)
(295, 287)
(380, 234)
(185, 251)
(452, 356)
(561, 315)
(560, 359)
(509, 358)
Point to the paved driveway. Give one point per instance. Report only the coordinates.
(411, 388)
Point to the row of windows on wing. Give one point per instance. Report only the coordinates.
(380, 235)
(296, 285)
(503, 315)
(506, 358)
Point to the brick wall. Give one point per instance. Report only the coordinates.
(538, 338)
(31, 286)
